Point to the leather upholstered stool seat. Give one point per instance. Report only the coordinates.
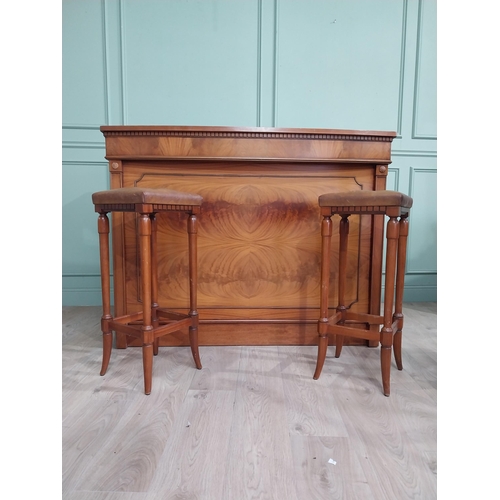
(343, 322)
(152, 322)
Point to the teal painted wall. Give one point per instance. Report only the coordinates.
(347, 64)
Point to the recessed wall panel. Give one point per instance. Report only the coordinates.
(338, 63)
(80, 246)
(83, 63)
(190, 62)
(425, 104)
(422, 239)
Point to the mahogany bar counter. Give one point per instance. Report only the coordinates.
(259, 243)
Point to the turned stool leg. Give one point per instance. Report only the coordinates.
(326, 236)
(343, 237)
(386, 334)
(147, 328)
(400, 283)
(107, 335)
(193, 287)
(154, 280)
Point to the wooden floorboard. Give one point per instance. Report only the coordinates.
(252, 423)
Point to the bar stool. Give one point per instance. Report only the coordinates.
(145, 325)
(396, 206)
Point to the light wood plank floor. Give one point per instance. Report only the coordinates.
(252, 424)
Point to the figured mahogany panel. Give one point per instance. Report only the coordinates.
(258, 242)
(259, 232)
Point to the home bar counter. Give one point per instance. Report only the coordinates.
(259, 241)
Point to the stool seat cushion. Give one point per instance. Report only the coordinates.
(145, 195)
(365, 199)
